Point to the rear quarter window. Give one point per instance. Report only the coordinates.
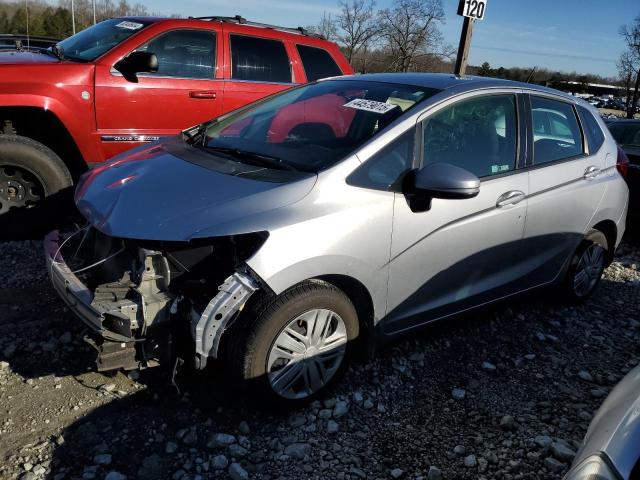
(317, 63)
(592, 130)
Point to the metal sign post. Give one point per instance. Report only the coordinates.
(471, 10)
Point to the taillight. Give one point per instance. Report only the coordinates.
(622, 164)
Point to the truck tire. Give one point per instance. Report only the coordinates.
(34, 185)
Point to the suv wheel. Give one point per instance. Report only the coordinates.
(29, 173)
(298, 345)
(587, 266)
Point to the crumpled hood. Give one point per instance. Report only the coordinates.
(21, 58)
(151, 194)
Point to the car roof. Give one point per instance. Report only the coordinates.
(448, 81)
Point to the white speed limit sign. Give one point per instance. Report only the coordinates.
(472, 8)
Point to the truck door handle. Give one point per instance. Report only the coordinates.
(203, 94)
(591, 172)
(510, 198)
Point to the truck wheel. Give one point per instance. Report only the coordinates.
(296, 346)
(32, 180)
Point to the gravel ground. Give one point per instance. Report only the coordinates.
(503, 393)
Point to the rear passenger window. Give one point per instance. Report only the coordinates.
(317, 63)
(184, 54)
(595, 137)
(259, 60)
(556, 132)
(479, 135)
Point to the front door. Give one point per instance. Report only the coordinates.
(454, 254)
(183, 92)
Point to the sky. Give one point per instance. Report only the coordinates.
(566, 35)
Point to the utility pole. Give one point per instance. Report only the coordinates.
(26, 7)
(73, 18)
(463, 48)
(471, 10)
(94, 12)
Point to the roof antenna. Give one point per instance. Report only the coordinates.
(533, 70)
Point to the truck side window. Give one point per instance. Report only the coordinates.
(259, 60)
(317, 63)
(184, 54)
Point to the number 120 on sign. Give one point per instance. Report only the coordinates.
(472, 8)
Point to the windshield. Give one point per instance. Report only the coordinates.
(311, 127)
(92, 42)
(626, 134)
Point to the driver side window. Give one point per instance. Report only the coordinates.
(478, 135)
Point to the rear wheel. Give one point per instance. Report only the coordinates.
(297, 346)
(32, 181)
(587, 265)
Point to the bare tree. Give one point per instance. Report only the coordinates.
(410, 29)
(356, 26)
(326, 27)
(630, 63)
(628, 71)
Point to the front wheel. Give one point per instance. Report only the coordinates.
(586, 267)
(297, 346)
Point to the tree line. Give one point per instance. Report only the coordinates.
(47, 20)
(629, 65)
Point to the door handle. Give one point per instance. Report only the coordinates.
(203, 94)
(591, 172)
(510, 198)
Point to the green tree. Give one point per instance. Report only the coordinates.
(19, 22)
(4, 22)
(57, 23)
(485, 70)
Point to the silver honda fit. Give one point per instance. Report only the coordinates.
(279, 237)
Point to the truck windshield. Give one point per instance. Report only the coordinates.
(92, 42)
(311, 127)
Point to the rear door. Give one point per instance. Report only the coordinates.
(256, 65)
(185, 91)
(565, 186)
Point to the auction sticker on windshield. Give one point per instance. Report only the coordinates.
(130, 25)
(370, 106)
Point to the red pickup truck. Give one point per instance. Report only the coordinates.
(130, 80)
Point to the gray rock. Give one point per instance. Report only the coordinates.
(298, 450)
(325, 413)
(459, 450)
(4, 366)
(113, 475)
(434, 473)
(235, 450)
(562, 452)
(151, 468)
(297, 420)
(171, 447)
(368, 404)
(236, 472)
(470, 461)
(340, 409)
(397, 472)
(458, 393)
(220, 440)
(553, 465)
(586, 376)
(190, 437)
(543, 441)
(28, 476)
(507, 422)
(332, 426)
(489, 367)
(357, 397)
(102, 459)
(244, 428)
(65, 338)
(219, 462)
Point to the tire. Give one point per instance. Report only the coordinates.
(34, 183)
(254, 360)
(594, 246)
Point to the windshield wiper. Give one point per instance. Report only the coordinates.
(259, 159)
(198, 135)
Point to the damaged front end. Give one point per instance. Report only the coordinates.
(149, 302)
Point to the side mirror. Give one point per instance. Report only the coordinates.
(443, 180)
(137, 62)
